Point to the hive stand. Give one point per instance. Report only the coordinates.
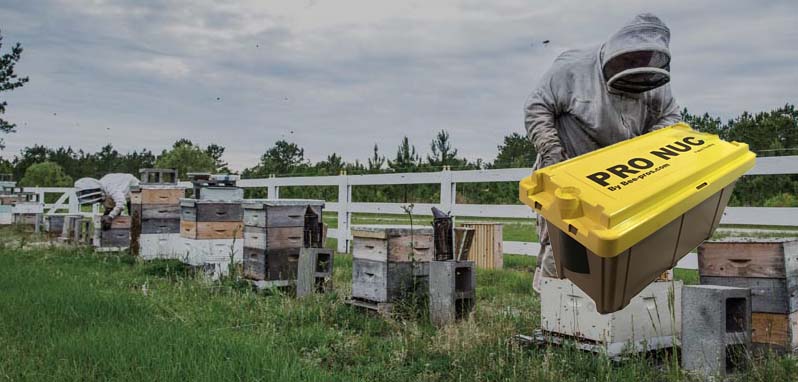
(314, 272)
(716, 329)
(452, 290)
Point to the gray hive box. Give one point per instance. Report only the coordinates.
(384, 265)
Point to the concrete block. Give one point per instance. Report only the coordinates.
(716, 328)
(452, 290)
(314, 272)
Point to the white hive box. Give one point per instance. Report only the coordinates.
(648, 322)
(161, 246)
(28, 208)
(213, 251)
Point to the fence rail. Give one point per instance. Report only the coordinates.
(448, 181)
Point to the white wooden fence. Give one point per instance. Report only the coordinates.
(448, 181)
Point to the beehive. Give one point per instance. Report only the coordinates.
(769, 267)
(155, 213)
(388, 262)
(620, 216)
(274, 233)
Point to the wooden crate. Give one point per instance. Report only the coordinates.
(769, 267)
(487, 250)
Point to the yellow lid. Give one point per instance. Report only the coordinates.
(611, 199)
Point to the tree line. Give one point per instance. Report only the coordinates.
(767, 133)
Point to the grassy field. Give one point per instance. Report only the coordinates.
(70, 314)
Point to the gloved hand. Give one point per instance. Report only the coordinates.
(552, 157)
(106, 222)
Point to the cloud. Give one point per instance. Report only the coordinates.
(167, 67)
(341, 76)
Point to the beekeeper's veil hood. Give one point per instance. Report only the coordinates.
(89, 191)
(636, 58)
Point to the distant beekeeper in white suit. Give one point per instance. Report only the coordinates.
(592, 98)
(112, 190)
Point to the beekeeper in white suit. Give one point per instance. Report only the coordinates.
(595, 97)
(112, 190)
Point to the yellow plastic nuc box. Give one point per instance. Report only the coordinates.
(620, 216)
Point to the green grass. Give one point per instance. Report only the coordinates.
(68, 314)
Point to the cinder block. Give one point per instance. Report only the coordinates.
(716, 328)
(314, 272)
(452, 290)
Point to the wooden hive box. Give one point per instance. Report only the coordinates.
(211, 219)
(390, 262)
(118, 236)
(769, 267)
(487, 250)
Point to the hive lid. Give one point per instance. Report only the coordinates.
(612, 198)
(260, 203)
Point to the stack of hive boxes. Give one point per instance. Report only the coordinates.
(274, 233)
(116, 238)
(212, 232)
(389, 262)
(211, 225)
(155, 212)
(28, 209)
(7, 201)
(769, 267)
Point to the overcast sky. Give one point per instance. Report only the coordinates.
(340, 76)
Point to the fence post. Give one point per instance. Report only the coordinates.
(344, 198)
(74, 206)
(447, 189)
(273, 190)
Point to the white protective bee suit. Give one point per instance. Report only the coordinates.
(592, 98)
(112, 190)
